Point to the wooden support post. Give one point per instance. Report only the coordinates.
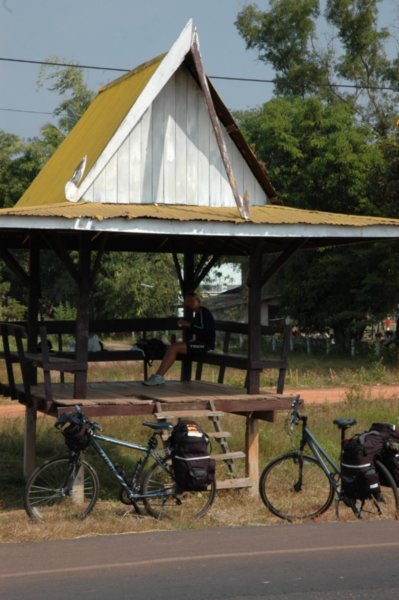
(254, 321)
(252, 452)
(83, 316)
(30, 440)
(29, 460)
(188, 286)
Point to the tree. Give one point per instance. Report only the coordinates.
(70, 84)
(320, 158)
(317, 154)
(343, 289)
(16, 170)
(135, 285)
(286, 37)
(10, 309)
(330, 148)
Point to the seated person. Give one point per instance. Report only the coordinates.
(201, 338)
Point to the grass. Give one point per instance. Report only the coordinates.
(232, 508)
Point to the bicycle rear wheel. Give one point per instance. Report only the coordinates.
(294, 486)
(61, 489)
(385, 507)
(166, 502)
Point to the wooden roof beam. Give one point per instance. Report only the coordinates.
(15, 267)
(281, 260)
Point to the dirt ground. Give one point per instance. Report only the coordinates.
(310, 396)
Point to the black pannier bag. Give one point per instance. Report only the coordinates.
(193, 468)
(389, 455)
(359, 477)
(153, 348)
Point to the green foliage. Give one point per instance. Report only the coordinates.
(64, 312)
(318, 156)
(321, 158)
(10, 309)
(285, 36)
(136, 285)
(17, 169)
(69, 83)
(342, 289)
(385, 175)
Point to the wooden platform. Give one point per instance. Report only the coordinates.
(132, 397)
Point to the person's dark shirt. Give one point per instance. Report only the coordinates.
(203, 327)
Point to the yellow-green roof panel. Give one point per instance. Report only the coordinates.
(89, 136)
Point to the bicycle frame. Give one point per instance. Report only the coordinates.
(132, 491)
(325, 461)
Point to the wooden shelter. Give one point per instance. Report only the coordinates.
(157, 164)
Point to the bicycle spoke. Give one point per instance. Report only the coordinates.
(53, 492)
(295, 487)
(167, 502)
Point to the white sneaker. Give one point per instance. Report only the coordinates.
(155, 380)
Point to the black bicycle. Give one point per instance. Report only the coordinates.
(67, 486)
(300, 485)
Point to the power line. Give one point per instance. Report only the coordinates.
(60, 64)
(223, 77)
(220, 77)
(343, 85)
(20, 110)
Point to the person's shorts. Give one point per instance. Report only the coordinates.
(194, 347)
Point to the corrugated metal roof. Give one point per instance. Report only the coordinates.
(269, 214)
(90, 135)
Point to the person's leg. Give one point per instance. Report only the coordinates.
(170, 356)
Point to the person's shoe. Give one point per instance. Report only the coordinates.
(155, 380)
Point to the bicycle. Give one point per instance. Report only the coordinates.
(297, 485)
(68, 486)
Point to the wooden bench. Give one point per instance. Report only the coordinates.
(27, 361)
(227, 359)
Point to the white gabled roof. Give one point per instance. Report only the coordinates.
(164, 137)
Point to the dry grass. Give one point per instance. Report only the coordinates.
(232, 508)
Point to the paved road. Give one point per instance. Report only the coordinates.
(312, 561)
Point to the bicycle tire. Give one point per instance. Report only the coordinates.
(278, 487)
(171, 504)
(51, 495)
(385, 508)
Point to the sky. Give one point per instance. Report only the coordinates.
(120, 34)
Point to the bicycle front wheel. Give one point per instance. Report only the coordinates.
(164, 502)
(294, 486)
(61, 489)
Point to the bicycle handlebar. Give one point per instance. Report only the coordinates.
(77, 417)
(295, 417)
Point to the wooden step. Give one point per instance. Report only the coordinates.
(179, 414)
(228, 455)
(233, 483)
(218, 434)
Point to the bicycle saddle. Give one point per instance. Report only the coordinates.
(344, 423)
(159, 426)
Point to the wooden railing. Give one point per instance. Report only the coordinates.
(224, 357)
